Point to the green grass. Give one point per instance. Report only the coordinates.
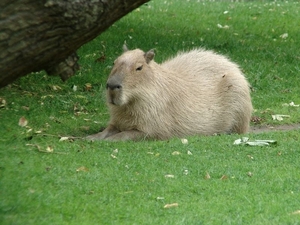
(260, 185)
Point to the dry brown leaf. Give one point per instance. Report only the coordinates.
(176, 153)
(64, 138)
(82, 168)
(185, 172)
(88, 86)
(250, 156)
(184, 141)
(49, 149)
(56, 88)
(296, 212)
(207, 176)
(23, 122)
(2, 102)
(279, 117)
(224, 177)
(167, 206)
(29, 130)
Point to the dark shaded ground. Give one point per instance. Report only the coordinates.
(267, 128)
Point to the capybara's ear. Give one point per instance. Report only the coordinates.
(149, 55)
(125, 49)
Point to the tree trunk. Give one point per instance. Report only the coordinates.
(45, 34)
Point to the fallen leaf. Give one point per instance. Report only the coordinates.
(207, 176)
(74, 88)
(224, 177)
(290, 104)
(189, 153)
(256, 119)
(256, 143)
(169, 176)
(184, 141)
(23, 122)
(49, 149)
(56, 87)
(250, 156)
(222, 27)
(113, 156)
(241, 141)
(245, 141)
(170, 205)
(293, 104)
(296, 212)
(284, 36)
(250, 174)
(63, 138)
(82, 168)
(176, 153)
(2, 102)
(88, 86)
(279, 117)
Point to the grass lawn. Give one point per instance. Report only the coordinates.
(45, 180)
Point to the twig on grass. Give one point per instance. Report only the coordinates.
(59, 136)
(49, 150)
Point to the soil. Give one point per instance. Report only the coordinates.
(267, 128)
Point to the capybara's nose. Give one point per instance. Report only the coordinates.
(113, 86)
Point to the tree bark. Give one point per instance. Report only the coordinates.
(45, 34)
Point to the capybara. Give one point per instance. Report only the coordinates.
(195, 93)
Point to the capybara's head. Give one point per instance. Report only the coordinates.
(129, 76)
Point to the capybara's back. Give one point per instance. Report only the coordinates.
(215, 90)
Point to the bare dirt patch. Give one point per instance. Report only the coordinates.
(268, 128)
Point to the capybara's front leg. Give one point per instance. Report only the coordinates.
(107, 132)
(127, 135)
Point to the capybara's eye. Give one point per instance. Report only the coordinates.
(139, 68)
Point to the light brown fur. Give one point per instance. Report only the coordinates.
(195, 93)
